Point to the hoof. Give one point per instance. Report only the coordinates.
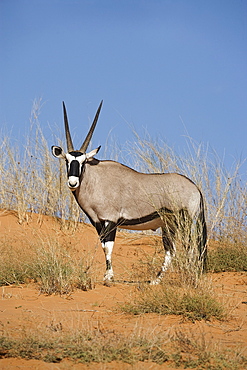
(155, 281)
(108, 283)
(108, 278)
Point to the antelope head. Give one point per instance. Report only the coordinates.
(75, 159)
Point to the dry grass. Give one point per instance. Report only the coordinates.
(175, 296)
(180, 350)
(47, 263)
(32, 180)
(198, 353)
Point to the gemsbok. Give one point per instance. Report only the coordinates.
(113, 195)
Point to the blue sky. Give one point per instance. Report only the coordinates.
(168, 67)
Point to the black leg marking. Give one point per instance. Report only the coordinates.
(107, 233)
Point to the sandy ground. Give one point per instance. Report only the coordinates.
(24, 310)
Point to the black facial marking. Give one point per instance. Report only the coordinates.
(76, 154)
(74, 168)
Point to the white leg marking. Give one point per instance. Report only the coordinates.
(108, 247)
(164, 268)
(167, 261)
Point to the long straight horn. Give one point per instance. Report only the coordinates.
(90, 133)
(70, 146)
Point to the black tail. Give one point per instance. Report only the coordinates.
(202, 236)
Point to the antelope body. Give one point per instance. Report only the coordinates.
(113, 195)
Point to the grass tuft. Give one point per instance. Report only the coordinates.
(174, 299)
(49, 265)
(228, 257)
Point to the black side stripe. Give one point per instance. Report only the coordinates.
(144, 219)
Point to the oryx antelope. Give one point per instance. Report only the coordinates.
(112, 194)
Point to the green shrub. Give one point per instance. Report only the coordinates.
(228, 258)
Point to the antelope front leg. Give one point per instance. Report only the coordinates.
(107, 248)
(107, 233)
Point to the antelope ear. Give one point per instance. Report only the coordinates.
(92, 153)
(57, 152)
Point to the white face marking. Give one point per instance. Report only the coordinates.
(73, 182)
(80, 158)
